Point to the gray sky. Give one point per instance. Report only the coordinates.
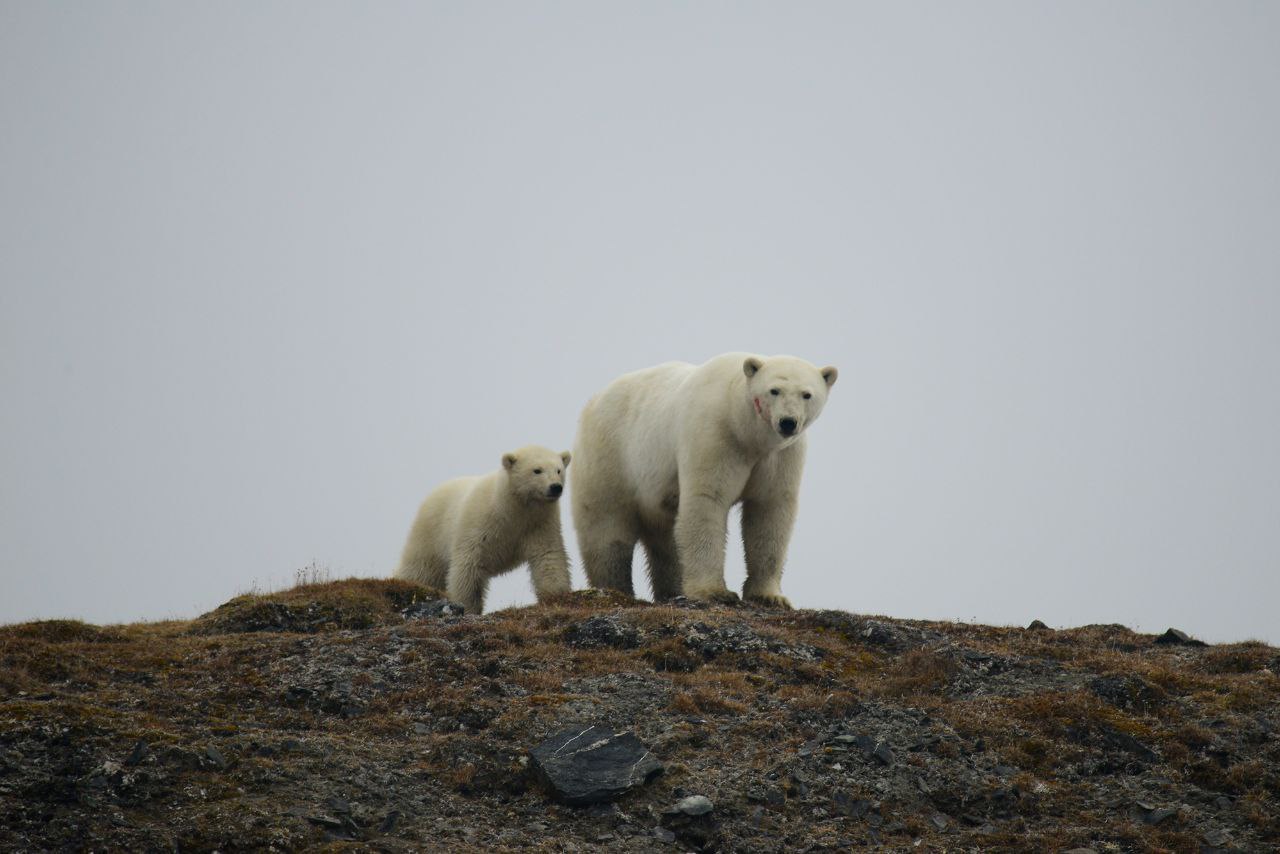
(270, 272)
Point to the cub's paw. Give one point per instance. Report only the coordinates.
(769, 600)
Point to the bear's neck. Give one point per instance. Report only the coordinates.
(753, 434)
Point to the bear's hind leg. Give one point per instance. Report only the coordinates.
(607, 541)
(663, 564)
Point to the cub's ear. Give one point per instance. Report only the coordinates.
(566, 456)
(751, 365)
(829, 373)
(508, 461)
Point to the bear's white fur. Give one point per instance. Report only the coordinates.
(474, 528)
(662, 455)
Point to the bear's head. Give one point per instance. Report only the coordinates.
(535, 473)
(787, 394)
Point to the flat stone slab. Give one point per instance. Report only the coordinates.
(593, 765)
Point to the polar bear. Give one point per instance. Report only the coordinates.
(474, 528)
(662, 455)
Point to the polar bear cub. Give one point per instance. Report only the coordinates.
(474, 528)
(663, 454)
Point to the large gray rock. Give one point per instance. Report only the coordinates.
(593, 765)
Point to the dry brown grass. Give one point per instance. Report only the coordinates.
(920, 671)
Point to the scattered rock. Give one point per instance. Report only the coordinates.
(140, 752)
(1174, 636)
(884, 753)
(215, 756)
(713, 641)
(695, 805)
(1036, 626)
(603, 630)
(433, 608)
(661, 834)
(1158, 815)
(595, 764)
(846, 804)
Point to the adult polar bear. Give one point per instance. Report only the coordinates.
(663, 454)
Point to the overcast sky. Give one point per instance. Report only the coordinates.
(269, 272)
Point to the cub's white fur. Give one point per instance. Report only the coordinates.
(474, 528)
(662, 455)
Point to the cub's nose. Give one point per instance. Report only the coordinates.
(787, 426)
(555, 489)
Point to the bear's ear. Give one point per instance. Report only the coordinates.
(508, 461)
(751, 365)
(566, 456)
(829, 373)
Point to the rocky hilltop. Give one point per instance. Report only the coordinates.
(372, 715)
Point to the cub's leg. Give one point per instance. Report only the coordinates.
(468, 578)
(548, 561)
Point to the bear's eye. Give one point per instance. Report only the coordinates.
(537, 471)
(775, 392)
(807, 395)
(557, 471)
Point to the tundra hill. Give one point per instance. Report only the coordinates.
(365, 715)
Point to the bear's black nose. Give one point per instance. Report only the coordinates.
(787, 426)
(555, 490)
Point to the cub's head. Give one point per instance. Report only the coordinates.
(787, 394)
(535, 473)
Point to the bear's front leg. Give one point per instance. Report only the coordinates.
(548, 563)
(766, 531)
(702, 523)
(468, 581)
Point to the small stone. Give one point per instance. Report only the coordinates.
(389, 822)
(338, 805)
(1216, 837)
(884, 753)
(215, 756)
(1036, 625)
(1080, 851)
(1157, 816)
(326, 821)
(695, 805)
(419, 728)
(846, 804)
(139, 753)
(939, 821)
(846, 739)
(1175, 636)
(661, 834)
